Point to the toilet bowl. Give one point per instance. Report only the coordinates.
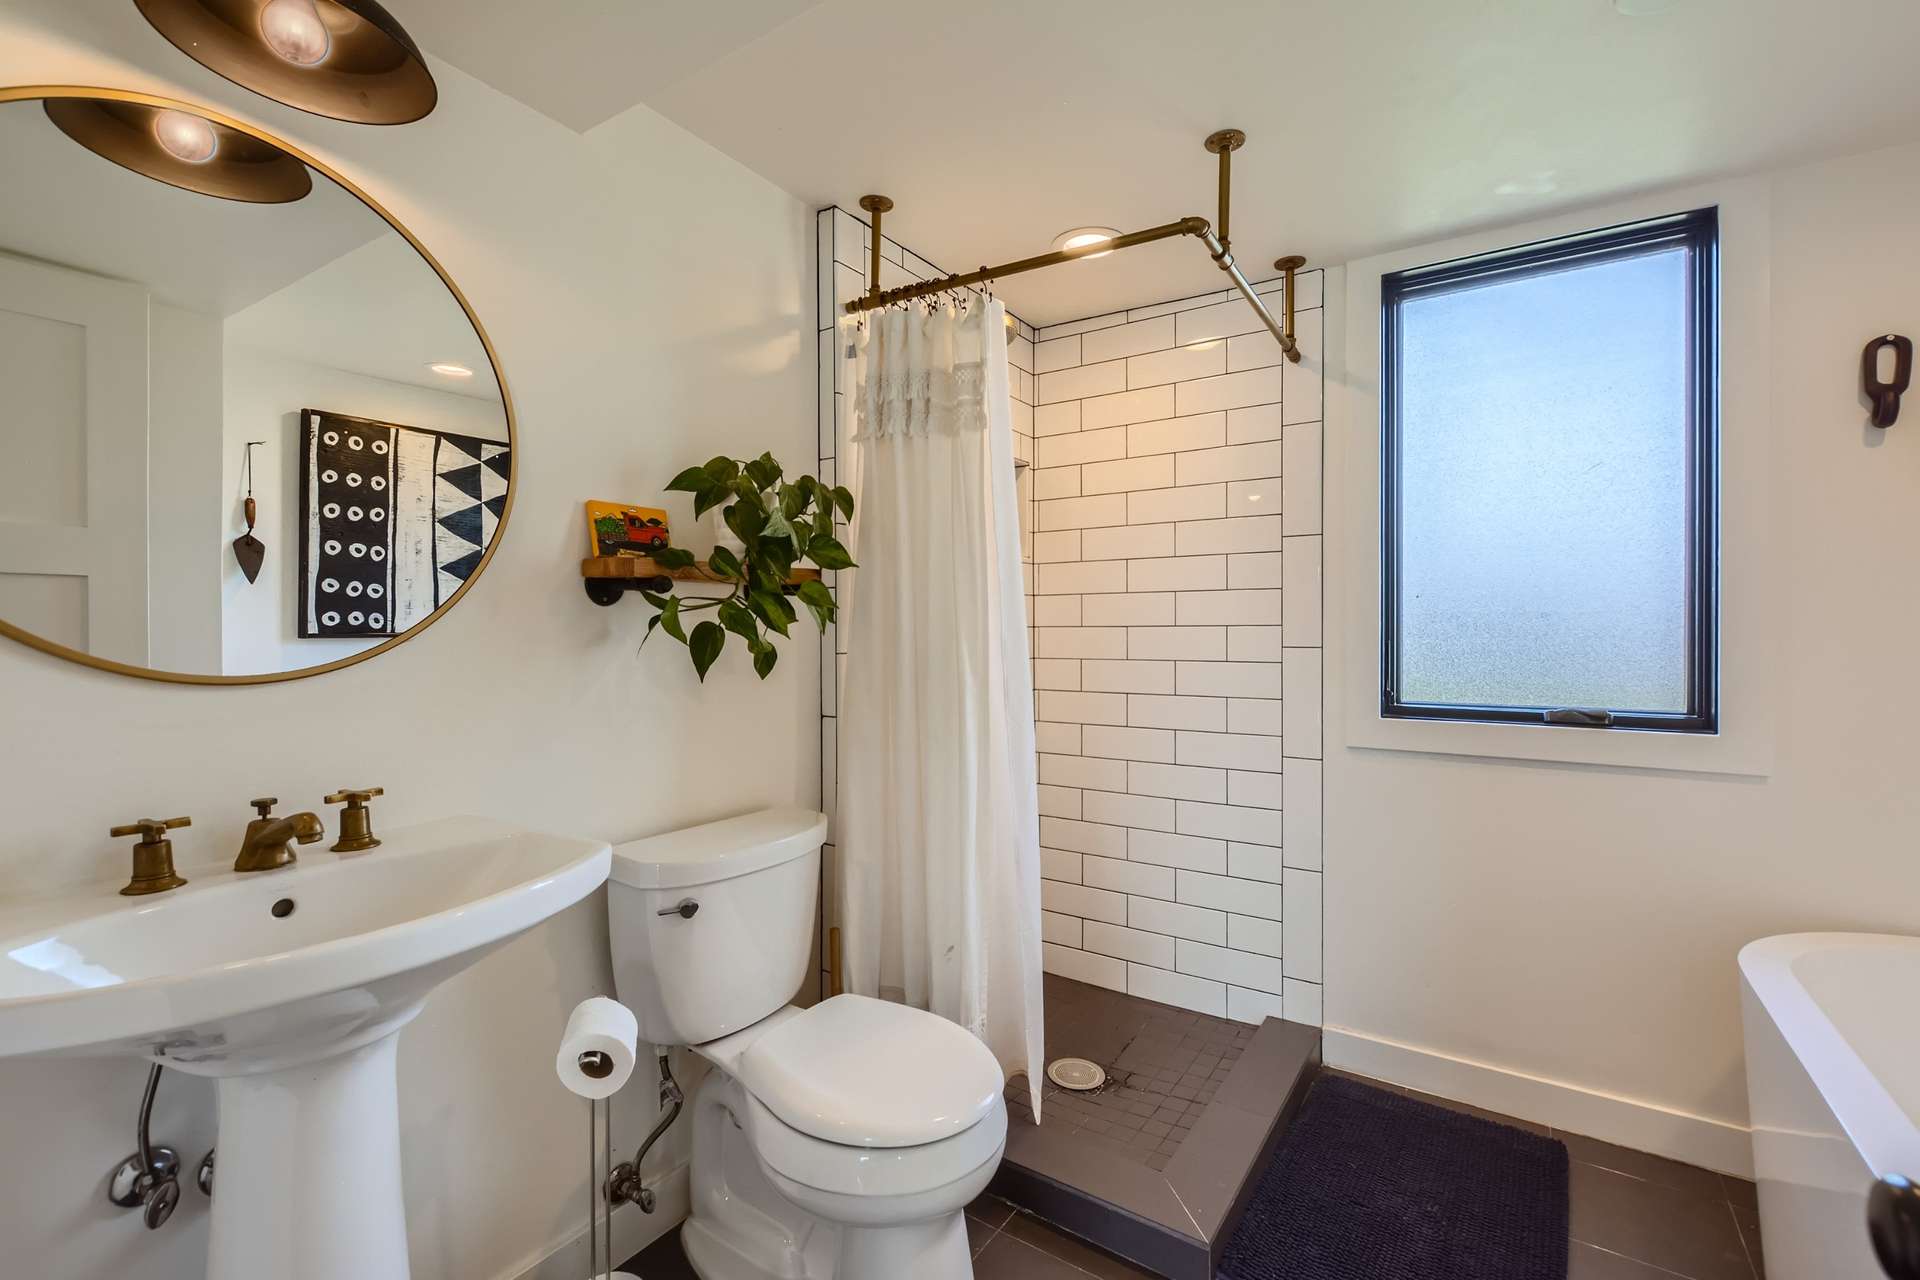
(838, 1142)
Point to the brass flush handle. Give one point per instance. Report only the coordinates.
(153, 856)
(356, 820)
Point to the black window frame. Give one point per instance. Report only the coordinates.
(1697, 230)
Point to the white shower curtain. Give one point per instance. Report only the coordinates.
(938, 824)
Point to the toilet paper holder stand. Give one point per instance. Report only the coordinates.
(618, 1184)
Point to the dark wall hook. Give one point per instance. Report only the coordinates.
(1886, 395)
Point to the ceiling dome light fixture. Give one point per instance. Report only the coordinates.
(292, 29)
(1080, 237)
(182, 149)
(185, 137)
(448, 369)
(344, 59)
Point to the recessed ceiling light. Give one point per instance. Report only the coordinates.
(1645, 8)
(1080, 237)
(450, 370)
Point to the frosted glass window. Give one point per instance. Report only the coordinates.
(1549, 482)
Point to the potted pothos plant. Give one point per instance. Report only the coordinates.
(782, 523)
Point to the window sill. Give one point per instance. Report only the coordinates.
(1742, 754)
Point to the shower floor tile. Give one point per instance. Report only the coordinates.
(1153, 1164)
(1163, 1065)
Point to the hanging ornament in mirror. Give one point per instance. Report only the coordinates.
(347, 59)
(182, 149)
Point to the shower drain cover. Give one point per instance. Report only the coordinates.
(1077, 1074)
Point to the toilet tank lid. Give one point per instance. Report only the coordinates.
(719, 850)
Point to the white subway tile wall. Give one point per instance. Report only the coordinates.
(1171, 529)
(1177, 473)
(843, 242)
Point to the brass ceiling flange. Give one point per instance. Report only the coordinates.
(1292, 262)
(876, 204)
(1225, 140)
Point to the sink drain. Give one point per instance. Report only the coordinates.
(1076, 1074)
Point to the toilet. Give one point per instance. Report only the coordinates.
(839, 1142)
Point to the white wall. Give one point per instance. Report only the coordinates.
(1177, 654)
(184, 546)
(1557, 940)
(631, 349)
(264, 394)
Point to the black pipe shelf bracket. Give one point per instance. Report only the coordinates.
(1886, 392)
(608, 579)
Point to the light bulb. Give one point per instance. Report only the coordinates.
(448, 369)
(185, 137)
(292, 29)
(1080, 237)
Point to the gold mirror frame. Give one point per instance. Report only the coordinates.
(34, 93)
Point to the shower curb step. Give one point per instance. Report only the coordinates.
(1175, 1223)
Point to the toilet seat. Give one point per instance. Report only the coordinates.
(897, 1172)
(858, 1072)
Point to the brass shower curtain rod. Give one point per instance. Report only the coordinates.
(1222, 143)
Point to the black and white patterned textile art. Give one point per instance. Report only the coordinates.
(393, 520)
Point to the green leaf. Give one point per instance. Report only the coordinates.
(763, 661)
(737, 618)
(672, 557)
(771, 608)
(802, 532)
(710, 497)
(746, 519)
(825, 550)
(722, 468)
(692, 480)
(725, 563)
(793, 500)
(814, 594)
(670, 619)
(706, 643)
(764, 471)
(777, 526)
(843, 499)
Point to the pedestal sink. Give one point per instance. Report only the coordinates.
(289, 988)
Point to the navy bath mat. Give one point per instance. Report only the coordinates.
(1371, 1185)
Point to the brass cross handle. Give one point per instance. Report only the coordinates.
(150, 829)
(356, 820)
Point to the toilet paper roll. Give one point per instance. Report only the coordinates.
(597, 1052)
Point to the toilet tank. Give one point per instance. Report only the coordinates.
(712, 927)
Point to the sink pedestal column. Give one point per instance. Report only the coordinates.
(308, 1183)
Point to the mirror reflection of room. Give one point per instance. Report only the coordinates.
(149, 334)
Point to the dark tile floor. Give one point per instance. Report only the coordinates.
(1163, 1067)
(1635, 1217)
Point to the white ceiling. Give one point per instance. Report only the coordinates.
(379, 311)
(996, 124)
(583, 61)
(65, 205)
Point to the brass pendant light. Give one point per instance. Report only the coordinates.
(347, 59)
(182, 149)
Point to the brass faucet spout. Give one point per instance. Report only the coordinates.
(269, 842)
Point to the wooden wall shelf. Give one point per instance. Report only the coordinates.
(608, 578)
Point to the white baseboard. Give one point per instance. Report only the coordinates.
(632, 1231)
(1629, 1122)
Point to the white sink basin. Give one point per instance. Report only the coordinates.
(296, 1014)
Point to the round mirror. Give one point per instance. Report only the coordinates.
(250, 430)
